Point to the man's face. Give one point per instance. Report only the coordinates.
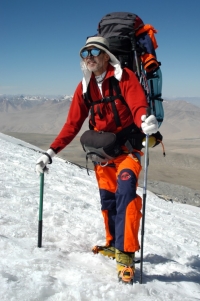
(97, 64)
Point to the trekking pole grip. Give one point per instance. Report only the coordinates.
(40, 210)
(148, 112)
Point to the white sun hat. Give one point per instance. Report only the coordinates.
(103, 44)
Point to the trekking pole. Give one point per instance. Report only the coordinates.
(146, 163)
(133, 43)
(40, 210)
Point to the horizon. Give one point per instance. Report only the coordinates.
(197, 98)
(67, 94)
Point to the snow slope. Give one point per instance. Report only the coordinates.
(65, 268)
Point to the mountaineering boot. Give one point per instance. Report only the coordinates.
(125, 266)
(105, 251)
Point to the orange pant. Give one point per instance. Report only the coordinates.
(120, 205)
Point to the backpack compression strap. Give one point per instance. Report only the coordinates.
(113, 86)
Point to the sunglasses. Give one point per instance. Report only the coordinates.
(90, 52)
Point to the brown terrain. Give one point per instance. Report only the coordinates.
(180, 168)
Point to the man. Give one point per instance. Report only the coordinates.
(117, 179)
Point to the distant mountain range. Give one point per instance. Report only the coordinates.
(193, 100)
(10, 103)
(46, 115)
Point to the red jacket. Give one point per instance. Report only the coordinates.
(78, 112)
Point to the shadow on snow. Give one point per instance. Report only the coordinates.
(192, 276)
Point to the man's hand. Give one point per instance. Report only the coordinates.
(149, 124)
(45, 159)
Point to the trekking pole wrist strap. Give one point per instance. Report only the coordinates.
(50, 160)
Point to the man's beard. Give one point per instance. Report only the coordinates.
(96, 67)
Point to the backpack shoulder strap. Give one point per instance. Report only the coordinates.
(88, 101)
(115, 86)
(113, 105)
(87, 97)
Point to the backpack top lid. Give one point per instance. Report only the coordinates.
(130, 40)
(119, 24)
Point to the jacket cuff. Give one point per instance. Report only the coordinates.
(51, 153)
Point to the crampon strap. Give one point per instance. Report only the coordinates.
(127, 271)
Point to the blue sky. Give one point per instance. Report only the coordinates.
(40, 42)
